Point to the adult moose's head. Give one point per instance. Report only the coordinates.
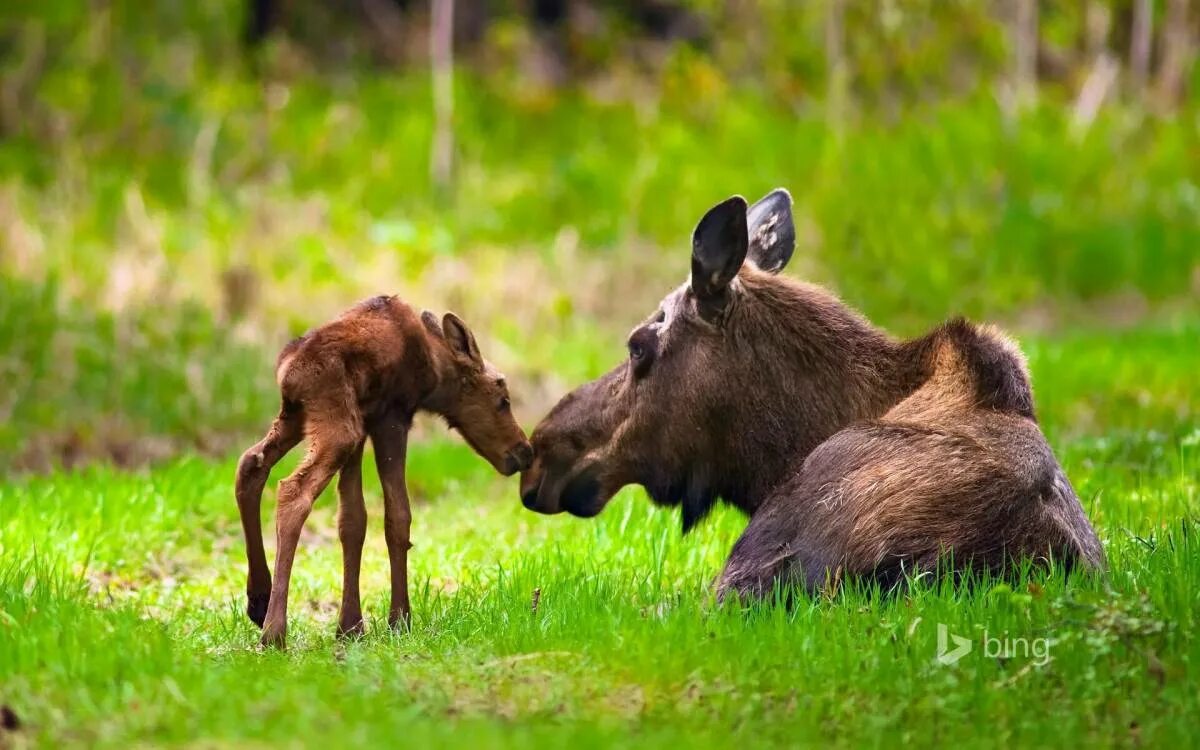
(737, 373)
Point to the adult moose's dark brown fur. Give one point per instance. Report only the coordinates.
(365, 374)
(851, 451)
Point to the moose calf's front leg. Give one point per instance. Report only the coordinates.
(397, 522)
(391, 443)
(352, 531)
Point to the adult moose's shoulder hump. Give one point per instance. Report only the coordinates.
(850, 450)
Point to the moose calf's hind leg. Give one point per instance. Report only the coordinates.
(352, 531)
(297, 494)
(253, 470)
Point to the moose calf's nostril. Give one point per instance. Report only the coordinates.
(518, 459)
(524, 455)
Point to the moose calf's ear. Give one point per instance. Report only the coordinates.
(772, 231)
(460, 338)
(719, 245)
(430, 321)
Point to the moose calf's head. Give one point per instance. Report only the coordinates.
(695, 398)
(473, 398)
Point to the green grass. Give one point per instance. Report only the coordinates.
(121, 623)
(128, 387)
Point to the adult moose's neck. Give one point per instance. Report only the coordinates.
(811, 366)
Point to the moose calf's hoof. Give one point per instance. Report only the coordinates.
(274, 638)
(351, 631)
(256, 608)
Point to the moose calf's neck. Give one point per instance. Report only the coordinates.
(442, 387)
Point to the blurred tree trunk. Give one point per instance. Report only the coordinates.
(19, 81)
(1103, 67)
(1097, 25)
(1025, 49)
(387, 22)
(1099, 82)
(1176, 51)
(441, 53)
(262, 17)
(835, 61)
(1139, 44)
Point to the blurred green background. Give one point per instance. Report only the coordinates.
(185, 185)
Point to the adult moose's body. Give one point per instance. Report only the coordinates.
(850, 450)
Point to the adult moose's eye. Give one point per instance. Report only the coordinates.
(641, 350)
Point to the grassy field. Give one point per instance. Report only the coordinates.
(120, 610)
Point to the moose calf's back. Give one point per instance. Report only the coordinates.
(379, 348)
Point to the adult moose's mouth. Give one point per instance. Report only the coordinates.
(581, 497)
(533, 490)
(573, 467)
(530, 489)
(576, 492)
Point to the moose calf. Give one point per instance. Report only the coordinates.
(365, 374)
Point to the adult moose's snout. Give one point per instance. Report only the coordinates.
(529, 497)
(518, 459)
(531, 488)
(569, 446)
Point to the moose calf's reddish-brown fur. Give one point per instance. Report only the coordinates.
(363, 375)
(853, 452)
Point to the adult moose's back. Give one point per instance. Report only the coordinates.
(852, 451)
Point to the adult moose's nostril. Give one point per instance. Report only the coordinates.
(529, 498)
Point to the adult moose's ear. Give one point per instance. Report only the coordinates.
(460, 338)
(719, 245)
(772, 231)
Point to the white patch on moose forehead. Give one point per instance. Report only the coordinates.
(670, 307)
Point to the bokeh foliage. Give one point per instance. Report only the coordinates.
(158, 173)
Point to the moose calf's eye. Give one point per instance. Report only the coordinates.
(505, 404)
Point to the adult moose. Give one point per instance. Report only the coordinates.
(854, 454)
